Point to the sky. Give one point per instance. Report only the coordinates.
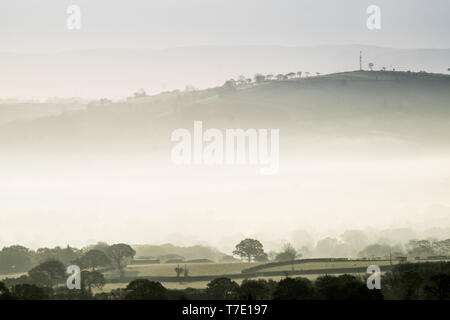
(40, 26)
(60, 202)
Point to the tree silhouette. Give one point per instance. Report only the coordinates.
(94, 258)
(249, 248)
(120, 254)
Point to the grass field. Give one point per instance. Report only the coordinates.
(328, 265)
(218, 269)
(196, 284)
(195, 269)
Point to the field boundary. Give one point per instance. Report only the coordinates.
(252, 275)
(301, 261)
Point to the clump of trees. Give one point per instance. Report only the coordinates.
(121, 255)
(289, 253)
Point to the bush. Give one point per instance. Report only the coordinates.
(143, 289)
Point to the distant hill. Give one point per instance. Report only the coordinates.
(397, 108)
(188, 253)
(118, 73)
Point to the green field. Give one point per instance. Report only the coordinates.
(234, 270)
(328, 265)
(223, 269)
(195, 269)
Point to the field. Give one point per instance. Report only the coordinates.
(233, 270)
(195, 269)
(329, 265)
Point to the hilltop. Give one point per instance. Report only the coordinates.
(405, 107)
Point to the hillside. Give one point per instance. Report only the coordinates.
(188, 253)
(395, 107)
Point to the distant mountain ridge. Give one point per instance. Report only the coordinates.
(188, 253)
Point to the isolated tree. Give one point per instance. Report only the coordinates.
(52, 271)
(250, 249)
(93, 259)
(259, 77)
(144, 289)
(290, 75)
(371, 66)
(140, 93)
(229, 86)
(288, 254)
(120, 255)
(299, 74)
(384, 68)
(92, 279)
(221, 289)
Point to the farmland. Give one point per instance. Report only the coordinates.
(195, 269)
(201, 274)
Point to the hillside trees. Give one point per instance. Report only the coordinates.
(259, 77)
(94, 259)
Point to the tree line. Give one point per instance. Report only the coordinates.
(409, 281)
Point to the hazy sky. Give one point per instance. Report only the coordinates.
(34, 25)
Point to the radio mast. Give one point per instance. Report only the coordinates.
(360, 61)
